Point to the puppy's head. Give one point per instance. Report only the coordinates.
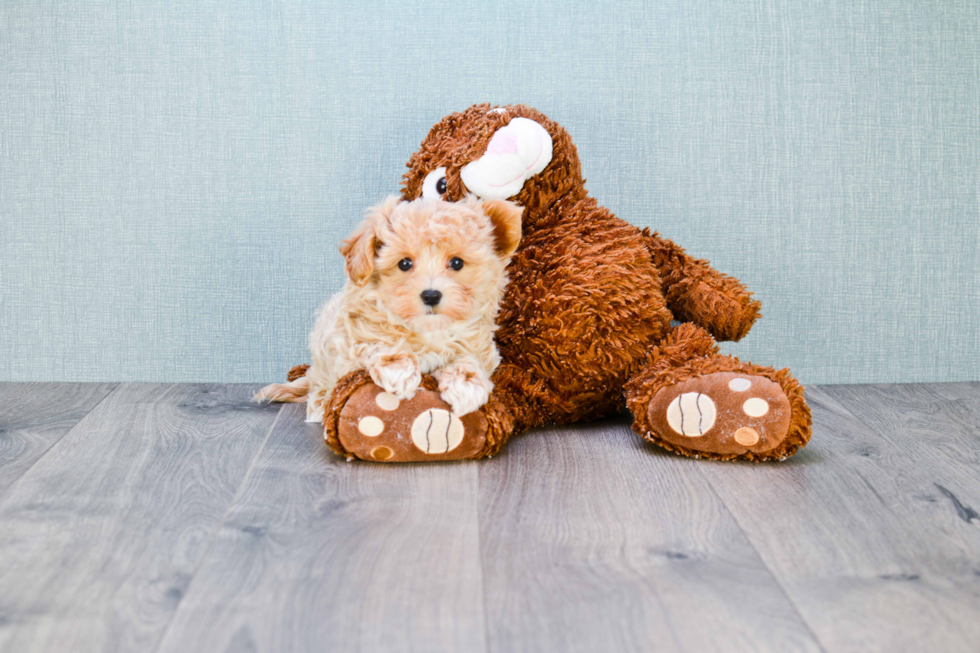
(433, 262)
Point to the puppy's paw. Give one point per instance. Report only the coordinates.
(398, 374)
(464, 389)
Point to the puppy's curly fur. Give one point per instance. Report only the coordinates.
(425, 280)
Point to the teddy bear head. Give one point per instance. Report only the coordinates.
(511, 152)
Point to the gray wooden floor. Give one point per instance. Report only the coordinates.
(179, 518)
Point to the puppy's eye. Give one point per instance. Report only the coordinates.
(456, 263)
(405, 264)
(434, 185)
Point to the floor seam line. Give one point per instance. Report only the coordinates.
(483, 575)
(772, 574)
(55, 443)
(217, 530)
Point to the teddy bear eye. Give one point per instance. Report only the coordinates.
(434, 185)
(405, 264)
(456, 263)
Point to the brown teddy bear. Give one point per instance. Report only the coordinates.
(585, 328)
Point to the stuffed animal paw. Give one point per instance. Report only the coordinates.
(366, 422)
(718, 407)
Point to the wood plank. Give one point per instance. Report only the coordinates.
(33, 416)
(861, 528)
(936, 423)
(102, 535)
(318, 554)
(968, 391)
(593, 540)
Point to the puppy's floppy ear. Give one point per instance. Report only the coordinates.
(361, 246)
(358, 250)
(506, 220)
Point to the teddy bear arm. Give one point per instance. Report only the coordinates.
(696, 292)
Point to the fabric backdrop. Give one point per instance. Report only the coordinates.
(175, 176)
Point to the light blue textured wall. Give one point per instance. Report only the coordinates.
(175, 176)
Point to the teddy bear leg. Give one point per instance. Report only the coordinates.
(362, 421)
(715, 406)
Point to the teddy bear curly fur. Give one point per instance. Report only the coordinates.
(598, 316)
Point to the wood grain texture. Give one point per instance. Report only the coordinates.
(161, 522)
(970, 392)
(102, 535)
(593, 540)
(319, 554)
(33, 416)
(870, 528)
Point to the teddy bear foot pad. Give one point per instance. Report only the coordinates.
(374, 425)
(722, 413)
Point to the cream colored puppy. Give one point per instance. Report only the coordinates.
(425, 280)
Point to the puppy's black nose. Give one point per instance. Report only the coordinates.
(431, 297)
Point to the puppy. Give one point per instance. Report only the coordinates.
(425, 280)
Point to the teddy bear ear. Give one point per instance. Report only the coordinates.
(517, 152)
(506, 220)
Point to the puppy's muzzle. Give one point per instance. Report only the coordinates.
(431, 297)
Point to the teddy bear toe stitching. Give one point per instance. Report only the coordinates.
(691, 414)
(437, 431)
